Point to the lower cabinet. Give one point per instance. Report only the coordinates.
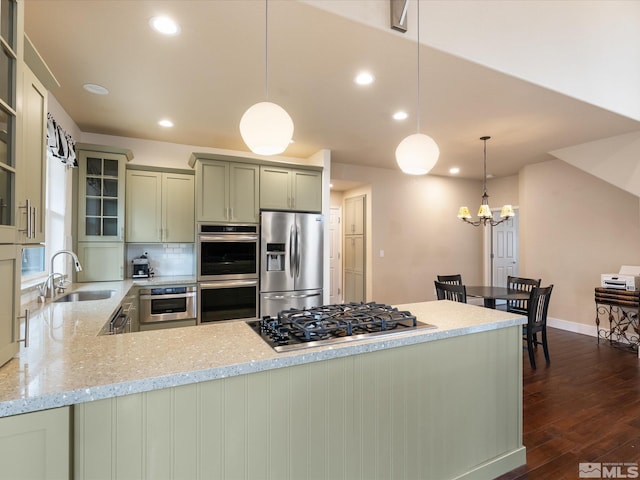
(9, 302)
(101, 262)
(36, 446)
(284, 424)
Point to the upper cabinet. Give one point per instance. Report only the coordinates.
(160, 207)
(101, 191)
(30, 188)
(290, 189)
(10, 35)
(227, 191)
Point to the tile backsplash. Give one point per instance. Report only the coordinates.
(164, 258)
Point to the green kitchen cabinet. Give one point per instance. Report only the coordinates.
(12, 19)
(159, 207)
(227, 191)
(9, 301)
(101, 193)
(101, 261)
(290, 189)
(36, 445)
(31, 170)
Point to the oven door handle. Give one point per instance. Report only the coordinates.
(228, 238)
(230, 283)
(167, 297)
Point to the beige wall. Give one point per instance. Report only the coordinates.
(413, 220)
(573, 227)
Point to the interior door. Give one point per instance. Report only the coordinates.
(505, 250)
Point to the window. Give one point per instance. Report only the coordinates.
(33, 264)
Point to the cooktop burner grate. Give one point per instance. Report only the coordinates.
(295, 328)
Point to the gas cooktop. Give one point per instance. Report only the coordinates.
(330, 324)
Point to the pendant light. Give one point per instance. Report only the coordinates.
(485, 215)
(418, 153)
(266, 127)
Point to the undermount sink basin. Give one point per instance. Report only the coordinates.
(86, 295)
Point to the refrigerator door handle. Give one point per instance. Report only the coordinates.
(292, 258)
(298, 252)
(306, 295)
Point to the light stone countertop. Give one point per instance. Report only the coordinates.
(67, 363)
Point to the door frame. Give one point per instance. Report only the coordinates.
(488, 248)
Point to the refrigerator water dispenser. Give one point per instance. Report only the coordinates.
(275, 257)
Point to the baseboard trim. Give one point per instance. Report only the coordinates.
(575, 327)
(497, 466)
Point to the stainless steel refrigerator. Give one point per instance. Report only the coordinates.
(291, 250)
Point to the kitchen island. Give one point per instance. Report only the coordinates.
(214, 401)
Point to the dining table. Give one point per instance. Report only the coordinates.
(490, 294)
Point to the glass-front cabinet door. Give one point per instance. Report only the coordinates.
(8, 65)
(101, 190)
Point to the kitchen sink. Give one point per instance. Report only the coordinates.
(86, 295)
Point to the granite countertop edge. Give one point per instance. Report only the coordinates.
(150, 383)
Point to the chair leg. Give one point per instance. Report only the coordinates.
(532, 358)
(545, 346)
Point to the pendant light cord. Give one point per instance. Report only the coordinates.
(266, 48)
(418, 63)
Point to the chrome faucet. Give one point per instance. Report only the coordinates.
(49, 283)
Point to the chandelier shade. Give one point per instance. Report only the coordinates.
(485, 215)
(266, 128)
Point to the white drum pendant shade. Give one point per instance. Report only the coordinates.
(266, 128)
(417, 154)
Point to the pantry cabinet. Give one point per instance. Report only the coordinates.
(227, 191)
(36, 445)
(159, 207)
(290, 189)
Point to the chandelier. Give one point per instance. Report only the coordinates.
(485, 216)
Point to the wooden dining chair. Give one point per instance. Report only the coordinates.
(451, 279)
(537, 323)
(523, 285)
(448, 291)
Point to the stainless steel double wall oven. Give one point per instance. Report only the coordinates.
(228, 268)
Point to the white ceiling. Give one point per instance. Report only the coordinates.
(205, 78)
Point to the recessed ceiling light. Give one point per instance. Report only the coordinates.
(95, 89)
(400, 115)
(164, 25)
(364, 78)
(165, 123)
(454, 170)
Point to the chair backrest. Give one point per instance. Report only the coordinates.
(539, 305)
(523, 285)
(451, 279)
(448, 291)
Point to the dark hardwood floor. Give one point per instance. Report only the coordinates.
(583, 407)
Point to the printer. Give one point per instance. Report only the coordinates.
(627, 279)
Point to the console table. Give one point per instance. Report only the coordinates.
(621, 309)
